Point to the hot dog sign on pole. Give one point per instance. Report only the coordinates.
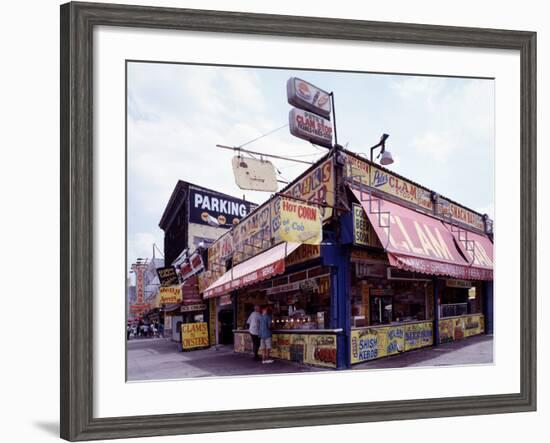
(310, 118)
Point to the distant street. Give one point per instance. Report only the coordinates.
(158, 359)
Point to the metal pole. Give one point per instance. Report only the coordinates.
(334, 119)
(264, 155)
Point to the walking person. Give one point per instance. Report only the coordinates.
(265, 334)
(254, 330)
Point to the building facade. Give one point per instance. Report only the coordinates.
(192, 220)
(399, 267)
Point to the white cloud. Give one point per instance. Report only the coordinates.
(178, 113)
(487, 209)
(434, 146)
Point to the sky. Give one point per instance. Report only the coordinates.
(441, 132)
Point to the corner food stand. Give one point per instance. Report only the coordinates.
(398, 268)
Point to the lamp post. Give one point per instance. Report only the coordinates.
(387, 158)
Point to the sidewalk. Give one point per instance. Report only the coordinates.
(160, 359)
(471, 350)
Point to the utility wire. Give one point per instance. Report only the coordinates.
(264, 135)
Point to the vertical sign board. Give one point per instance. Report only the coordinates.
(304, 95)
(212, 320)
(360, 226)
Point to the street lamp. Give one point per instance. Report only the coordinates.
(386, 158)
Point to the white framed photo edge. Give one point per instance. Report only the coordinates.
(107, 34)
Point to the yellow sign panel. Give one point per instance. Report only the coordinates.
(361, 230)
(212, 320)
(362, 173)
(194, 335)
(317, 186)
(418, 335)
(170, 294)
(371, 343)
(456, 328)
(300, 222)
(321, 350)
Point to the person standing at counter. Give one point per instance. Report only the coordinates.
(265, 334)
(254, 330)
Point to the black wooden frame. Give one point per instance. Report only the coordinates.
(77, 24)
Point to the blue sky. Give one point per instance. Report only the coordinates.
(441, 132)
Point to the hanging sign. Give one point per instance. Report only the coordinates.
(254, 174)
(167, 276)
(170, 294)
(192, 266)
(306, 96)
(310, 127)
(300, 222)
(195, 307)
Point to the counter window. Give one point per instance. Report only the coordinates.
(398, 301)
(297, 301)
(460, 297)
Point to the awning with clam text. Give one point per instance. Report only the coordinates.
(419, 243)
(260, 267)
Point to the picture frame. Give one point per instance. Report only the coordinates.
(77, 219)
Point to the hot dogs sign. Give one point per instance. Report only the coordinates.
(310, 119)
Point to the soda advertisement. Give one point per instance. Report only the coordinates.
(306, 96)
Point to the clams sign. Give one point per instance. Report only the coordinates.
(310, 127)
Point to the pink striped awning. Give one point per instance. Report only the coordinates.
(260, 267)
(419, 243)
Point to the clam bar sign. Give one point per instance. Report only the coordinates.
(310, 127)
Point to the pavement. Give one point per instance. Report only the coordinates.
(469, 351)
(161, 359)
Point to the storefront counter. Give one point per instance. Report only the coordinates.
(371, 342)
(459, 327)
(316, 347)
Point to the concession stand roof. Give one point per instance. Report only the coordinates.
(420, 243)
(260, 267)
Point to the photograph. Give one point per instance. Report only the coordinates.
(284, 220)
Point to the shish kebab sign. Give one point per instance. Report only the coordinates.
(310, 119)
